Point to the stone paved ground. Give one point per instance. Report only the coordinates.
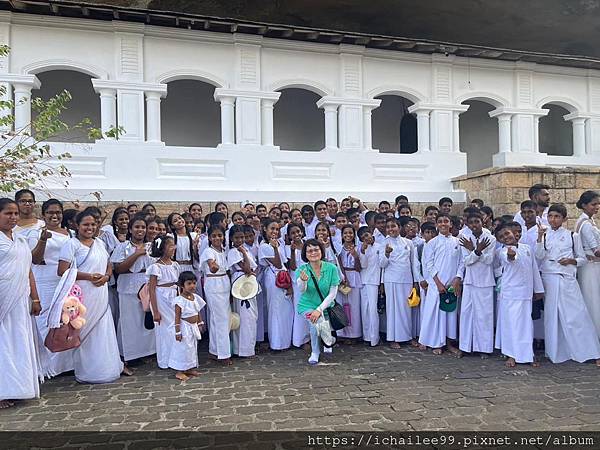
(358, 388)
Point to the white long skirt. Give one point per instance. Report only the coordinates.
(351, 302)
(398, 313)
(570, 332)
(280, 317)
(184, 353)
(18, 356)
(217, 300)
(52, 363)
(97, 359)
(436, 325)
(477, 319)
(300, 326)
(135, 341)
(162, 332)
(369, 315)
(244, 338)
(514, 329)
(589, 281)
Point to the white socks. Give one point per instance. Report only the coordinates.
(314, 358)
(327, 349)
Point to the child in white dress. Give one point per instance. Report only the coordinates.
(162, 286)
(188, 325)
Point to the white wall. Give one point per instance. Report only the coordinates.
(190, 116)
(478, 135)
(135, 64)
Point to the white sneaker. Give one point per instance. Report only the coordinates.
(314, 359)
(327, 349)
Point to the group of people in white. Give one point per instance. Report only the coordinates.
(467, 283)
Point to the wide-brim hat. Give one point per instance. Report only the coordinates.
(245, 287)
(234, 321)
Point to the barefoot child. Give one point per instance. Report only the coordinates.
(217, 289)
(241, 263)
(400, 268)
(349, 262)
(188, 323)
(477, 303)
(370, 275)
(443, 266)
(570, 332)
(521, 282)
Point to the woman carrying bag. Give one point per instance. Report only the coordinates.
(318, 281)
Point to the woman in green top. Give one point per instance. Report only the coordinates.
(311, 305)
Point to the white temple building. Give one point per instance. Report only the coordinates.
(228, 110)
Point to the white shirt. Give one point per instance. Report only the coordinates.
(219, 257)
(234, 258)
(589, 234)
(402, 265)
(559, 244)
(369, 261)
(479, 270)
(520, 277)
(442, 257)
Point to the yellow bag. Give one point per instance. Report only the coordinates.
(344, 289)
(414, 299)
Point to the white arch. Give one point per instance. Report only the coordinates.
(64, 64)
(403, 91)
(485, 97)
(567, 103)
(301, 83)
(192, 74)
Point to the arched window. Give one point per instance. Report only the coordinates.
(556, 134)
(298, 124)
(84, 104)
(394, 128)
(190, 116)
(478, 135)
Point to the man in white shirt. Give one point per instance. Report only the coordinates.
(540, 194)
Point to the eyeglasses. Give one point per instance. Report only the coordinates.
(313, 250)
(27, 201)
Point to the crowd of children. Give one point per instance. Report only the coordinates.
(468, 283)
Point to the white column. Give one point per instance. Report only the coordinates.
(504, 133)
(331, 126)
(22, 108)
(153, 124)
(367, 128)
(456, 131)
(267, 121)
(578, 136)
(227, 120)
(108, 109)
(5, 112)
(423, 130)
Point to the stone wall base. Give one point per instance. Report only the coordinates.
(504, 188)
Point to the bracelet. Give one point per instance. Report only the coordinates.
(178, 333)
(37, 300)
(201, 323)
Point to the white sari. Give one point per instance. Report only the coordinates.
(18, 353)
(97, 359)
(46, 281)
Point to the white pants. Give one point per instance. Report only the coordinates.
(514, 329)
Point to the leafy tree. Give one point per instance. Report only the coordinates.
(26, 159)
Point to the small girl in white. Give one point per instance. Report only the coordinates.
(188, 324)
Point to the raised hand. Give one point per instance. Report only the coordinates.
(511, 253)
(45, 234)
(467, 244)
(303, 276)
(483, 244)
(388, 249)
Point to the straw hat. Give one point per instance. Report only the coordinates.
(245, 287)
(234, 321)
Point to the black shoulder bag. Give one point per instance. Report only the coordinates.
(337, 316)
